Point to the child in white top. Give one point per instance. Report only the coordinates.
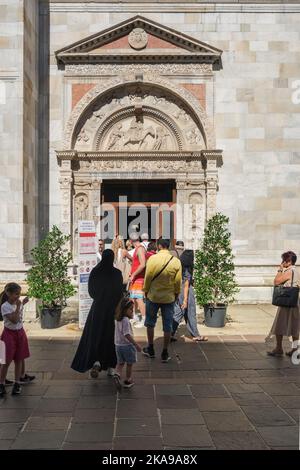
(126, 347)
(13, 335)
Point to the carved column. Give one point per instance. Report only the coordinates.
(66, 180)
(214, 160)
(95, 199)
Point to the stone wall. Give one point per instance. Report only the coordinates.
(256, 122)
(18, 143)
(11, 130)
(30, 125)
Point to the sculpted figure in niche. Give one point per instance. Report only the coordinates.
(81, 205)
(195, 201)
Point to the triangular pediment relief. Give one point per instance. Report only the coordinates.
(141, 38)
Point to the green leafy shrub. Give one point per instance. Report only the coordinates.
(214, 268)
(48, 278)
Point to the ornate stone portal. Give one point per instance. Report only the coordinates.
(140, 125)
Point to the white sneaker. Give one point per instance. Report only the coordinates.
(110, 372)
(139, 324)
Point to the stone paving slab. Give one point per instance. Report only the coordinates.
(138, 427)
(238, 440)
(138, 443)
(39, 440)
(90, 432)
(186, 436)
(267, 416)
(224, 394)
(183, 417)
(52, 423)
(280, 436)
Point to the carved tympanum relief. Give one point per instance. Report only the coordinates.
(132, 134)
(138, 117)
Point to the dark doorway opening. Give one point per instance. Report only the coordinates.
(138, 206)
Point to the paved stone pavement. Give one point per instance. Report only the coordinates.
(224, 394)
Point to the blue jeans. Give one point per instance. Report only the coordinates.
(189, 314)
(167, 313)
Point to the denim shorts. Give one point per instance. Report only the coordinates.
(126, 354)
(167, 313)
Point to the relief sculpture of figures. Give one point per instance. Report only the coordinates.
(161, 139)
(82, 136)
(139, 135)
(115, 138)
(136, 135)
(181, 114)
(194, 137)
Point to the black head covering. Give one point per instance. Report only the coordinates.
(107, 261)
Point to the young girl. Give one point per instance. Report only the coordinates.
(126, 347)
(13, 335)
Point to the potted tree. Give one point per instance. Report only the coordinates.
(215, 284)
(48, 279)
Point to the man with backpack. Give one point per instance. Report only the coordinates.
(162, 286)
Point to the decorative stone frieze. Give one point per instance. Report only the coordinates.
(101, 70)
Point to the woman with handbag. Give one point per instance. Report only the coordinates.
(287, 320)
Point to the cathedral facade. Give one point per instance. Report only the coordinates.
(181, 109)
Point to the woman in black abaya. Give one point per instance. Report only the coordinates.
(97, 340)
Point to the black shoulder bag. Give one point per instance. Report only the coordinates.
(286, 296)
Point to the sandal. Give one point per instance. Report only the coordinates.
(200, 339)
(275, 353)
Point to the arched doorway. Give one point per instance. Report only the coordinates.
(140, 128)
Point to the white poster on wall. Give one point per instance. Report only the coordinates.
(87, 259)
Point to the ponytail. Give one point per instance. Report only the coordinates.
(3, 298)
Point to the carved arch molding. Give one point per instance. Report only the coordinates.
(129, 129)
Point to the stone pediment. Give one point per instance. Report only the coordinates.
(140, 40)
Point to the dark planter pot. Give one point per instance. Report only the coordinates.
(215, 316)
(50, 318)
